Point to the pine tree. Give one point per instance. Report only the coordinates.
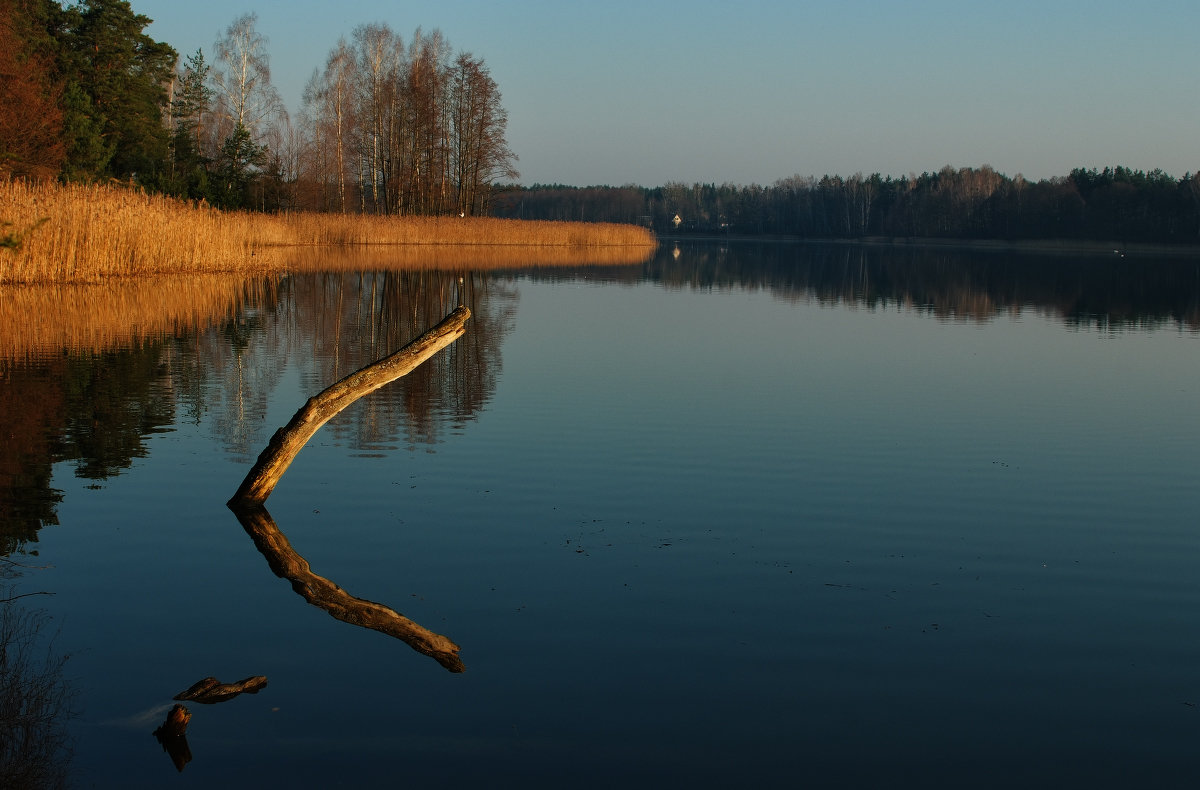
(116, 91)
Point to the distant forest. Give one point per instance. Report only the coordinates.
(1115, 204)
(408, 127)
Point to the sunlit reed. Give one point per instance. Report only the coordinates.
(457, 257)
(86, 233)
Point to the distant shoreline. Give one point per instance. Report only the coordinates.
(1033, 246)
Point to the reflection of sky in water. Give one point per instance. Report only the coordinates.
(687, 533)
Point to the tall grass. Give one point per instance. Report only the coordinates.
(76, 233)
(455, 257)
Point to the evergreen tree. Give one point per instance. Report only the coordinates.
(190, 114)
(116, 78)
(238, 165)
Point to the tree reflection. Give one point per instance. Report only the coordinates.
(32, 413)
(328, 325)
(93, 390)
(1105, 292)
(96, 407)
(95, 410)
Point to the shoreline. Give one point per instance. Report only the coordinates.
(1028, 246)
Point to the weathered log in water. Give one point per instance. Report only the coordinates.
(319, 591)
(291, 438)
(247, 503)
(210, 690)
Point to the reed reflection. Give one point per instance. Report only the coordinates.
(115, 315)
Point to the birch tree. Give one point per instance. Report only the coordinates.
(329, 100)
(243, 79)
(378, 56)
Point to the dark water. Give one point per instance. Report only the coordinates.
(747, 514)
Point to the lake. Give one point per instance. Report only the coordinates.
(745, 513)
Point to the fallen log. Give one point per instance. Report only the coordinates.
(319, 409)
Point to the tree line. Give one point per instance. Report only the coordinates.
(1114, 204)
(404, 129)
(386, 127)
(396, 127)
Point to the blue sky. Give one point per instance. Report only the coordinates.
(652, 91)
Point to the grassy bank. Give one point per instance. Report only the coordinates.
(75, 233)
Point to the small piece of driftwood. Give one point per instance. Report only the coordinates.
(291, 438)
(176, 723)
(210, 691)
(172, 734)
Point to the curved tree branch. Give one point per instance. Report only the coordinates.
(291, 438)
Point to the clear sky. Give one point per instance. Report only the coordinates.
(651, 91)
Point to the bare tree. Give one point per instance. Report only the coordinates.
(414, 132)
(479, 154)
(243, 84)
(379, 54)
(329, 98)
(428, 137)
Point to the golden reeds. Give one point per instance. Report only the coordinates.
(78, 233)
(455, 257)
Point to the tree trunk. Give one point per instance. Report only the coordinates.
(290, 439)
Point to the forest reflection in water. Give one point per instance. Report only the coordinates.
(1104, 291)
(788, 492)
(122, 361)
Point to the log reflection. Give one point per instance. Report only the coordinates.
(247, 503)
(319, 591)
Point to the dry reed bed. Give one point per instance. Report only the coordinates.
(40, 319)
(454, 257)
(89, 233)
(77, 233)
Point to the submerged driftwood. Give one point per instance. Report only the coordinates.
(291, 438)
(210, 691)
(321, 592)
(172, 734)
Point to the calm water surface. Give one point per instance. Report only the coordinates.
(764, 514)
